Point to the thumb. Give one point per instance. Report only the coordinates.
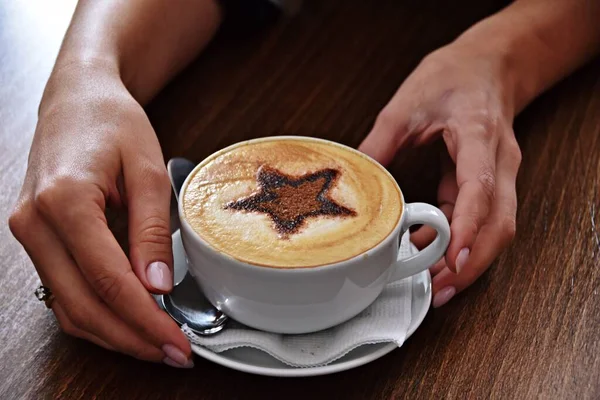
(388, 134)
(149, 196)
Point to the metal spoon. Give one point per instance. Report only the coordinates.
(186, 304)
(178, 169)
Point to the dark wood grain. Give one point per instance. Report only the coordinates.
(529, 328)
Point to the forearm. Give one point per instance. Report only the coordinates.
(539, 41)
(145, 42)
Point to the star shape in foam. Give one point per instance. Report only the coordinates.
(289, 200)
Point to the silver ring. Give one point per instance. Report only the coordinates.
(44, 294)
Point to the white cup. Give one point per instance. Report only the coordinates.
(304, 300)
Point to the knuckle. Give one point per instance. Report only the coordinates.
(79, 319)
(508, 229)
(51, 194)
(487, 182)
(44, 199)
(484, 129)
(109, 286)
(480, 125)
(154, 231)
(513, 152)
(21, 220)
(481, 128)
(488, 120)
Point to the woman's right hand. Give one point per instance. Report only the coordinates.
(94, 147)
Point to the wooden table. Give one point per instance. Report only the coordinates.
(529, 328)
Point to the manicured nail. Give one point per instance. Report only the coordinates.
(172, 363)
(443, 296)
(159, 276)
(461, 259)
(175, 357)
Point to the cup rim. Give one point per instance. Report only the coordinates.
(185, 225)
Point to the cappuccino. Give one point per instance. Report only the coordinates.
(291, 202)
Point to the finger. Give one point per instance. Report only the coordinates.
(82, 227)
(439, 266)
(447, 193)
(448, 189)
(83, 308)
(392, 129)
(70, 329)
(423, 236)
(496, 234)
(476, 180)
(149, 196)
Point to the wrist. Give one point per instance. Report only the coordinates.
(80, 77)
(537, 43)
(511, 57)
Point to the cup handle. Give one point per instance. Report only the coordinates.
(422, 213)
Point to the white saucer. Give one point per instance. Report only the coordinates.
(257, 362)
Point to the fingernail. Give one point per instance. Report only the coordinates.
(461, 259)
(175, 357)
(171, 363)
(159, 276)
(443, 296)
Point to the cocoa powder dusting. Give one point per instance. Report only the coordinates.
(290, 200)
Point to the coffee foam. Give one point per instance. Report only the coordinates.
(365, 202)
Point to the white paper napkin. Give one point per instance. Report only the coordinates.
(385, 321)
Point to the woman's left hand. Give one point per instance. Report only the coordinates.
(465, 97)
